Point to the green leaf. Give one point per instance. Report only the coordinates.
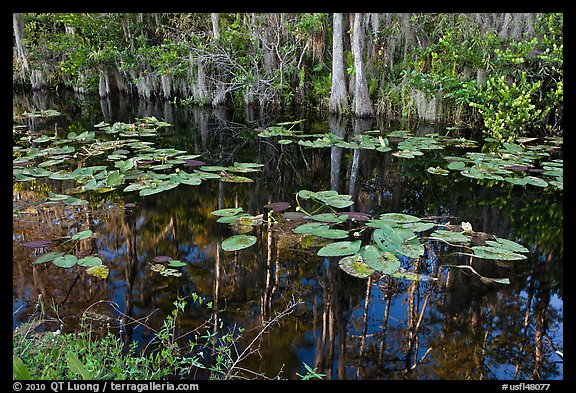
(164, 186)
(355, 266)
(412, 248)
(329, 217)
(238, 242)
(340, 249)
(488, 252)
(383, 262)
(176, 263)
(89, 261)
(399, 217)
(308, 228)
(19, 370)
(387, 239)
(449, 236)
(65, 261)
(228, 212)
(77, 367)
(535, 181)
(507, 245)
(82, 235)
(48, 257)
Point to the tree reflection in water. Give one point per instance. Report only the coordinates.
(348, 328)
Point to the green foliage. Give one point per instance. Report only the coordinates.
(507, 109)
(88, 355)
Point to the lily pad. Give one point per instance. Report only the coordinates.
(36, 243)
(48, 257)
(449, 236)
(89, 261)
(82, 235)
(238, 242)
(383, 262)
(228, 212)
(399, 217)
(162, 259)
(100, 271)
(176, 263)
(506, 244)
(355, 266)
(277, 206)
(329, 217)
(488, 252)
(309, 228)
(65, 261)
(340, 249)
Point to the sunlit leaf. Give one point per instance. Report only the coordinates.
(383, 262)
(100, 271)
(489, 252)
(506, 244)
(355, 266)
(449, 236)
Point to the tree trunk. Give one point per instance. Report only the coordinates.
(215, 25)
(339, 92)
(18, 26)
(362, 105)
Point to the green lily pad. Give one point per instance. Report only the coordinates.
(82, 235)
(340, 249)
(506, 244)
(387, 239)
(536, 181)
(89, 261)
(449, 236)
(399, 217)
(438, 171)
(383, 262)
(238, 242)
(176, 263)
(412, 248)
(48, 257)
(355, 266)
(309, 228)
(228, 212)
(488, 252)
(65, 261)
(329, 217)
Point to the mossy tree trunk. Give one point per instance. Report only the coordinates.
(339, 92)
(362, 104)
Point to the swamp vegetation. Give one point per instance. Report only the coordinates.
(288, 196)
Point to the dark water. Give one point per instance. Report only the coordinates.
(348, 328)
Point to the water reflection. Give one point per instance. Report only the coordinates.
(379, 328)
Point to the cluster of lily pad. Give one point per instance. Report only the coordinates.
(408, 146)
(394, 236)
(123, 160)
(93, 264)
(513, 163)
(505, 164)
